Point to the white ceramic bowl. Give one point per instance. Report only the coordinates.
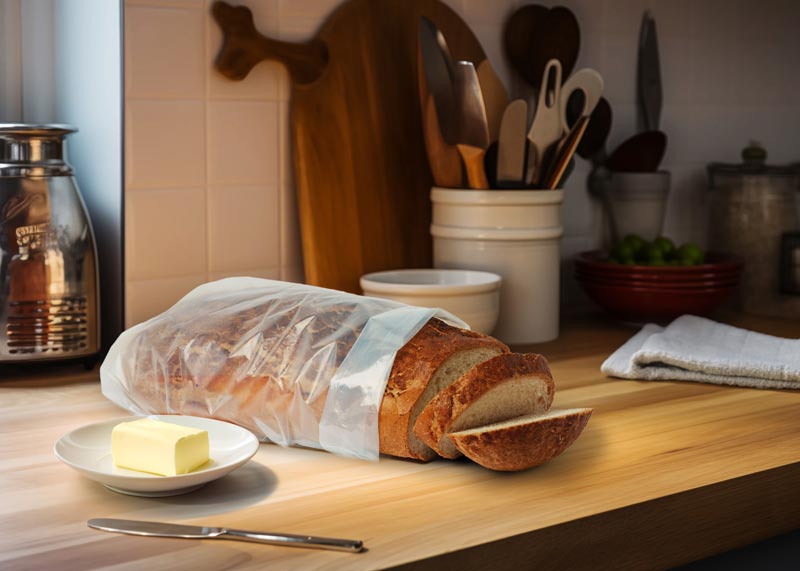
(471, 295)
(88, 451)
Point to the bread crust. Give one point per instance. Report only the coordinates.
(438, 417)
(414, 366)
(525, 445)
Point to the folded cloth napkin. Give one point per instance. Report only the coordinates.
(696, 349)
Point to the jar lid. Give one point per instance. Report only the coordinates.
(33, 150)
(753, 163)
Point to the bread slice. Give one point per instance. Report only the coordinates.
(434, 358)
(524, 442)
(505, 386)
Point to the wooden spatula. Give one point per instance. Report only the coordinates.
(511, 145)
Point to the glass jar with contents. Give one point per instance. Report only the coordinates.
(751, 206)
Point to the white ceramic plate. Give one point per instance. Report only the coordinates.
(88, 450)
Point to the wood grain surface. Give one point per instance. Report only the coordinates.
(664, 473)
(360, 168)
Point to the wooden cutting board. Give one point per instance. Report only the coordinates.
(361, 173)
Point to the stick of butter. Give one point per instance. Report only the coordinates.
(163, 448)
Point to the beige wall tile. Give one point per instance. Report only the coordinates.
(165, 233)
(147, 298)
(164, 144)
(243, 142)
(165, 3)
(243, 228)
(164, 52)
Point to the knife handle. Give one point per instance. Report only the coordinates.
(289, 540)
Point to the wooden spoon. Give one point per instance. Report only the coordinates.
(640, 153)
(534, 35)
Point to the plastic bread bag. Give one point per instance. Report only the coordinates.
(295, 364)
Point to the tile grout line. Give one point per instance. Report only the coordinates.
(207, 145)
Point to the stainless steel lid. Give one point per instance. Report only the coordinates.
(33, 150)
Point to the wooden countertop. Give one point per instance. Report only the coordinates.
(665, 473)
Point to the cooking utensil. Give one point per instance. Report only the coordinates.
(640, 153)
(159, 529)
(443, 158)
(495, 97)
(592, 145)
(649, 93)
(584, 86)
(438, 75)
(511, 145)
(473, 136)
(534, 35)
(564, 154)
(362, 178)
(48, 260)
(546, 128)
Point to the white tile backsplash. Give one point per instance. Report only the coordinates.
(165, 233)
(243, 228)
(146, 298)
(209, 186)
(159, 63)
(164, 143)
(243, 142)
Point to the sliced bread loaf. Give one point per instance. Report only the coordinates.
(434, 358)
(503, 387)
(524, 442)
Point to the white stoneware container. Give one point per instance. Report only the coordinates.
(472, 296)
(513, 233)
(639, 200)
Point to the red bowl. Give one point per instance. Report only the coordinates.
(640, 304)
(657, 284)
(717, 266)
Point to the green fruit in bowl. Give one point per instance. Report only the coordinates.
(635, 242)
(665, 245)
(653, 255)
(690, 255)
(623, 253)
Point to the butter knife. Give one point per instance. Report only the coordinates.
(158, 529)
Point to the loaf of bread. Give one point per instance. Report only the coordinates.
(503, 387)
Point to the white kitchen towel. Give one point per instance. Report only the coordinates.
(697, 349)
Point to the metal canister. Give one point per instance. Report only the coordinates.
(751, 206)
(48, 260)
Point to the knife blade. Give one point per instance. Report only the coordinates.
(159, 529)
